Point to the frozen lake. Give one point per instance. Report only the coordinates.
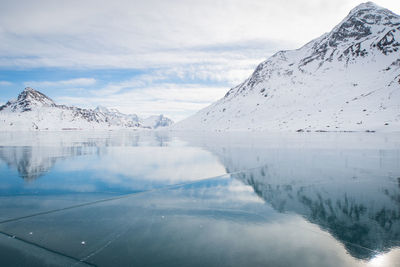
(189, 199)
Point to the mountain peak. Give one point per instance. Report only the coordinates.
(102, 109)
(27, 100)
(365, 21)
(29, 89)
(371, 13)
(366, 5)
(33, 95)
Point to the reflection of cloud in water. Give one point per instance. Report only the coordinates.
(33, 154)
(165, 165)
(105, 162)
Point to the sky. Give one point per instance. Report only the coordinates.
(151, 57)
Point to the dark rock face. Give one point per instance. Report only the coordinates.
(355, 27)
(388, 44)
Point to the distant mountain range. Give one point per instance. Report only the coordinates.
(33, 110)
(345, 80)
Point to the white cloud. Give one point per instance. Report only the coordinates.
(176, 101)
(5, 83)
(164, 91)
(64, 83)
(142, 34)
(178, 164)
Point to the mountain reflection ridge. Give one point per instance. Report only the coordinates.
(353, 193)
(34, 154)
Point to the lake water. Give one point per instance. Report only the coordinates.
(190, 199)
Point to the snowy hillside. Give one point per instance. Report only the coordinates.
(345, 80)
(33, 110)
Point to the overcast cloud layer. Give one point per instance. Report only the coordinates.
(172, 57)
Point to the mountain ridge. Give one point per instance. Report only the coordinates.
(33, 110)
(325, 85)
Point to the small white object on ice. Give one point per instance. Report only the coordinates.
(83, 242)
(31, 233)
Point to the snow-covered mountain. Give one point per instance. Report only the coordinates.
(33, 110)
(115, 117)
(157, 121)
(345, 80)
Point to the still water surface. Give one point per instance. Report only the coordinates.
(189, 199)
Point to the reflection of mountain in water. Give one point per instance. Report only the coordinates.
(359, 215)
(42, 150)
(353, 194)
(33, 162)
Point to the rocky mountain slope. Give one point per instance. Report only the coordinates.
(345, 80)
(33, 110)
